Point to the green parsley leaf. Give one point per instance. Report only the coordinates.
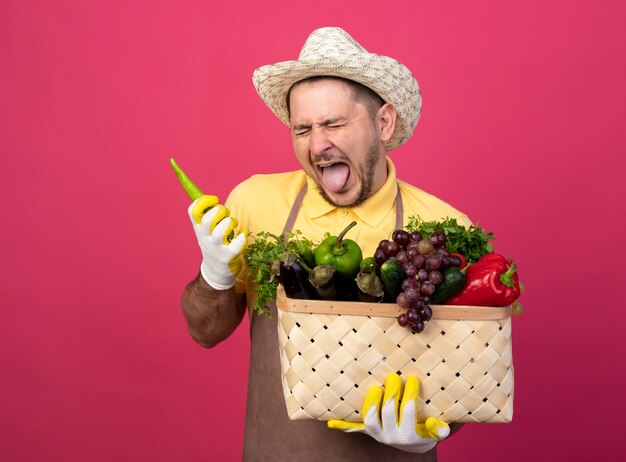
(261, 255)
(472, 242)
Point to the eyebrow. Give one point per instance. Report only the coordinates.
(324, 123)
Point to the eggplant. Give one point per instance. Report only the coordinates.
(370, 287)
(324, 280)
(295, 279)
(368, 283)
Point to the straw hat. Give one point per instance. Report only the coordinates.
(331, 51)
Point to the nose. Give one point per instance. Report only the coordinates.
(319, 141)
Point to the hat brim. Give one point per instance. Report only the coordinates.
(391, 80)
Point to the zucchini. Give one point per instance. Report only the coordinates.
(392, 275)
(453, 281)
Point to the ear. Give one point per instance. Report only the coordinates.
(386, 118)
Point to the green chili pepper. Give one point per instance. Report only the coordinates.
(189, 186)
(343, 254)
(204, 204)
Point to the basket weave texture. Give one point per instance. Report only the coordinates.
(329, 361)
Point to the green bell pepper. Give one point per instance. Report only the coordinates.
(343, 254)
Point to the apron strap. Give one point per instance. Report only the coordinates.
(399, 210)
(293, 214)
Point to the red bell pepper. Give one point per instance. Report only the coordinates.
(491, 281)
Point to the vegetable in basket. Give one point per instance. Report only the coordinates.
(303, 248)
(392, 274)
(491, 281)
(453, 282)
(369, 284)
(294, 278)
(323, 278)
(263, 257)
(472, 242)
(343, 254)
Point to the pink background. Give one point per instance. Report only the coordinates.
(522, 128)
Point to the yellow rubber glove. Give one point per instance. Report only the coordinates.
(221, 257)
(393, 427)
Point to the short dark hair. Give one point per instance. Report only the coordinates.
(372, 100)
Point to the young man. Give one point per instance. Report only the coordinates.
(346, 108)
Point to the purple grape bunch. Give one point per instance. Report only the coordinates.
(423, 261)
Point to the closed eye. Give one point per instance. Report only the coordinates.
(331, 124)
(301, 129)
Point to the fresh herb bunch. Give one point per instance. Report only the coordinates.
(262, 256)
(472, 242)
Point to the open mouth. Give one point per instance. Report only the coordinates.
(334, 175)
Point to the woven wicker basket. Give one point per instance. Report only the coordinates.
(332, 352)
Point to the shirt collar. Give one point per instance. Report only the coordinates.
(372, 211)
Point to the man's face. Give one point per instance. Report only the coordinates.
(337, 141)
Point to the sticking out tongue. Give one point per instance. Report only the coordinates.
(335, 176)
